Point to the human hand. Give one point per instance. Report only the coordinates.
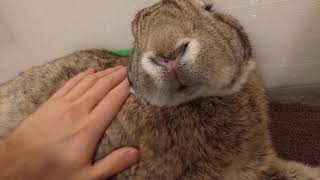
(59, 140)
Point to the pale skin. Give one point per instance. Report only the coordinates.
(59, 140)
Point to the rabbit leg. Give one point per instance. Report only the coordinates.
(286, 170)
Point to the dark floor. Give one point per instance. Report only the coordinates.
(296, 132)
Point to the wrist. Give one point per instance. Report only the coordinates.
(1, 146)
(3, 150)
(10, 161)
(20, 162)
(5, 161)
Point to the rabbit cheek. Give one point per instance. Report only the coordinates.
(154, 71)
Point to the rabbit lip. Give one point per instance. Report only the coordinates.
(180, 85)
(186, 89)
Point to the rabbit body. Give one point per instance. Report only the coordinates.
(197, 109)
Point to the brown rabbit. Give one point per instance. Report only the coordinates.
(197, 110)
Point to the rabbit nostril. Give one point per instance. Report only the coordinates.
(170, 63)
(169, 59)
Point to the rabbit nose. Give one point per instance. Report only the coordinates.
(170, 63)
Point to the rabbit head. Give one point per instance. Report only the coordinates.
(185, 50)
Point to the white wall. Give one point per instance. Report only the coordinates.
(286, 38)
(285, 33)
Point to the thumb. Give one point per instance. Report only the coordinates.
(115, 162)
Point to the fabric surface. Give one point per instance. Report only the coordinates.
(296, 132)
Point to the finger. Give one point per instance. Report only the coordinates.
(107, 110)
(115, 162)
(71, 83)
(87, 83)
(103, 86)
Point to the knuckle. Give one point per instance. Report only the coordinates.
(61, 103)
(75, 110)
(61, 157)
(71, 108)
(92, 78)
(73, 113)
(79, 75)
(107, 80)
(68, 116)
(64, 101)
(86, 128)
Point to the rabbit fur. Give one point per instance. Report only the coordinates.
(203, 118)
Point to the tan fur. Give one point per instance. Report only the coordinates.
(217, 131)
(21, 96)
(219, 58)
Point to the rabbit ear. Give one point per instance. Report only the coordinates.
(206, 4)
(167, 1)
(183, 4)
(245, 41)
(137, 23)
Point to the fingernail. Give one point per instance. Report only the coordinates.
(122, 67)
(132, 155)
(126, 82)
(117, 67)
(124, 85)
(89, 71)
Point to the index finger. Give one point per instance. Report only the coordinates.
(72, 82)
(102, 87)
(102, 115)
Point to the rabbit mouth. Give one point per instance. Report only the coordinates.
(186, 90)
(180, 85)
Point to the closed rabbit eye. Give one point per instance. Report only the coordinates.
(185, 47)
(156, 60)
(208, 7)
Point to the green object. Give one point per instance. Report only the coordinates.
(123, 52)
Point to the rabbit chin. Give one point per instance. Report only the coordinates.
(171, 95)
(162, 98)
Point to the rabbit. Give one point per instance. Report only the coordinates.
(197, 110)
